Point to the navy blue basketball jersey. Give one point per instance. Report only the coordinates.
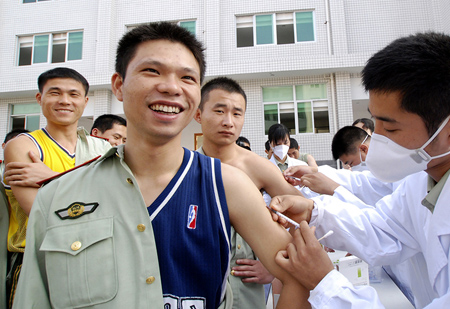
(192, 231)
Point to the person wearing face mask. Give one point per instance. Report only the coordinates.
(279, 143)
(411, 108)
(351, 145)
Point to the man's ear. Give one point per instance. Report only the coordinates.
(364, 148)
(95, 132)
(116, 86)
(198, 116)
(38, 98)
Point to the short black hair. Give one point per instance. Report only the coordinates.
(278, 131)
(267, 145)
(417, 67)
(367, 123)
(157, 31)
(107, 121)
(62, 73)
(223, 83)
(13, 133)
(347, 140)
(241, 141)
(293, 144)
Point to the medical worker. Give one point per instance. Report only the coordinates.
(409, 90)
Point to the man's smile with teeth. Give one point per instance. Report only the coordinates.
(165, 109)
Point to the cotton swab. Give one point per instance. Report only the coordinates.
(330, 232)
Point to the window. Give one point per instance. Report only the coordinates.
(302, 108)
(278, 28)
(25, 116)
(189, 25)
(32, 1)
(51, 47)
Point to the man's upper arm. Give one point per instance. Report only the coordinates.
(17, 150)
(252, 219)
(274, 183)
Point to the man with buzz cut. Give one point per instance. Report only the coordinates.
(221, 114)
(156, 233)
(111, 127)
(60, 146)
(409, 97)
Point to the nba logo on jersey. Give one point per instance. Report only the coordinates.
(192, 217)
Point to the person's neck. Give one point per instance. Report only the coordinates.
(439, 170)
(147, 158)
(66, 136)
(226, 153)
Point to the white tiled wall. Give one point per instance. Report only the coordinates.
(351, 33)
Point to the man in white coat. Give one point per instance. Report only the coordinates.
(409, 89)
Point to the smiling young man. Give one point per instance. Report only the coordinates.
(111, 127)
(159, 225)
(221, 114)
(409, 90)
(60, 146)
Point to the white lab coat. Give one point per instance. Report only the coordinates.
(400, 227)
(363, 185)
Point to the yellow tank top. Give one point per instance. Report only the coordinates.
(57, 159)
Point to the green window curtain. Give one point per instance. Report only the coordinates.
(311, 92)
(305, 26)
(276, 94)
(188, 25)
(40, 54)
(75, 48)
(264, 29)
(270, 116)
(24, 109)
(305, 120)
(32, 122)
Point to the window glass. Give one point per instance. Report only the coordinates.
(17, 123)
(285, 28)
(270, 116)
(311, 92)
(287, 116)
(305, 119)
(20, 109)
(59, 48)
(29, 1)
(189, 25)
(32, 122)
(25, 50)
(75, 47)
(275, 94)
(40, 48)
(264, 32)
(321, 121)
(244, 31)
(305, 26)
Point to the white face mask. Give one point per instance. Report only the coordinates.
(362, 165)
(390, 162)
(280, 151)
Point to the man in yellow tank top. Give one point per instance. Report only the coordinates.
(60, 146)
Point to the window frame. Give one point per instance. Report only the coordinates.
(24, 116)
(240, 20)
(52, 37)
(295, 102)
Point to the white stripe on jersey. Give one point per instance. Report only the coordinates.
(224, 227)
(174, 189)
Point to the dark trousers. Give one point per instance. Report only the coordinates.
(12, 277)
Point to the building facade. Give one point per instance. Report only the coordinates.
(298, 61)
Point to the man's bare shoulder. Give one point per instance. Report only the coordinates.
(17, 149)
